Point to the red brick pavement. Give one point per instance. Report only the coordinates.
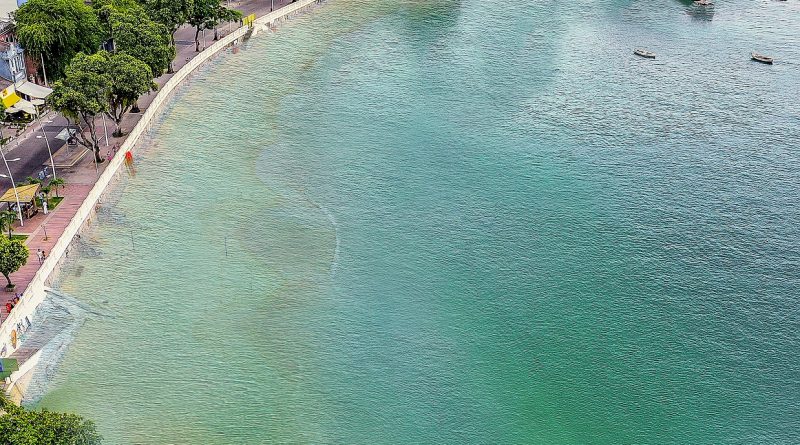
(54, 223)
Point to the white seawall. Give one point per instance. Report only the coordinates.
(35, 293)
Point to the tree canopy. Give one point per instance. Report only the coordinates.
(57, 30)
(105, 8)
(207, 14)
(170, 13)
(83, 94)
(132, 31)
(13, 255)
(130, 78)
(20, 426)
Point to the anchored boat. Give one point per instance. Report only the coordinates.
(644, 53)
(761, 58)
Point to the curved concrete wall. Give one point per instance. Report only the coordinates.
(36, 291)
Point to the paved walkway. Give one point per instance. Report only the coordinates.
(54, 224)
(31, 149)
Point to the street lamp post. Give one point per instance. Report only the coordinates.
(46, 141)
(16, 195)
(44, 73)
(105, 130)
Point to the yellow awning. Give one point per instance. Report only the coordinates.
(10, 97)
(21, 105)
(26, 193)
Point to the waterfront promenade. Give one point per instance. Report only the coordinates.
(30, 147)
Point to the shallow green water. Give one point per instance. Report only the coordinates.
(441, 222)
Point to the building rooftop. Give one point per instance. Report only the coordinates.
(6, 8)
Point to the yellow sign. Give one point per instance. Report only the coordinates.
(9, 96)
(249, 20)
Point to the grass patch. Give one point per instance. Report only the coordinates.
(19, 237)
(53, 202)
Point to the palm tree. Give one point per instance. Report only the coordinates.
(7, 218)
(56, 183)
(46, 191)
(3, 224)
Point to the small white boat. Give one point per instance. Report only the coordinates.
(644, 53)
(703, 2)
(761, 58)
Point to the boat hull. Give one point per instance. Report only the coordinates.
(760, 58)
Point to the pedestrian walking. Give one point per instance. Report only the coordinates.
(40, 256)
(44, 255)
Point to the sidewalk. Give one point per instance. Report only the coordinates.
(32, 151)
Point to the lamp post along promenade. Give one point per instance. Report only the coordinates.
(13, 185)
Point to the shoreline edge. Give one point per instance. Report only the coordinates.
(38, 287)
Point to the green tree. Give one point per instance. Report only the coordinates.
(57, 30)
(130, 78)
(207, 14)
(7, 218)
(56, 183)
(13, 255)
(82, 95)
(20, 426)
(133, 32)
(172, 14)
(224, 15)
(144, 39)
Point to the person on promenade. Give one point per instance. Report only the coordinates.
(43, 199)
(40, 256)
(44, 255)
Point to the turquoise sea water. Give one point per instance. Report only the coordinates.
(460, 222)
